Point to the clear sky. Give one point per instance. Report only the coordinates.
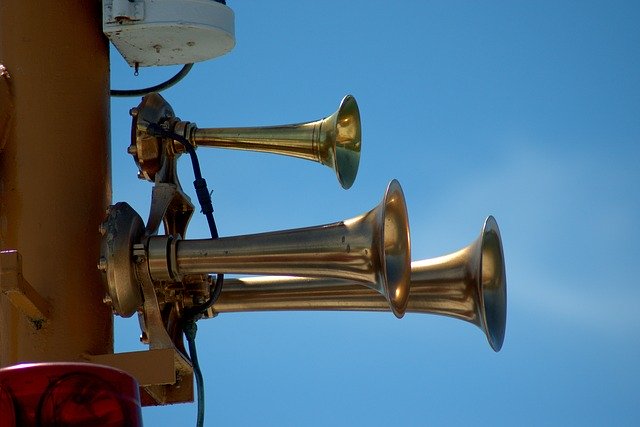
(528, 111)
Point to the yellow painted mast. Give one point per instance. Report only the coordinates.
(54, 180)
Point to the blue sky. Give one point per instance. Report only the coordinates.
(528, 111)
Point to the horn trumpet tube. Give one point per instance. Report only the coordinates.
(333, 141)
(469, 284)
(372, 249)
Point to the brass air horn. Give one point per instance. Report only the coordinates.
(469, 284)
(333, 141)
(372, 250)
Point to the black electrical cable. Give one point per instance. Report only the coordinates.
(192, 314)
(200, 184)
(204, 198)
(157, 88)
(190, 328)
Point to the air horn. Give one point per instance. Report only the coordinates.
(372, 250)
(333, 141)
(469, 284)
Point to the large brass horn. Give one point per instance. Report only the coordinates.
(469, 284)
(333, 141)
(372, 249)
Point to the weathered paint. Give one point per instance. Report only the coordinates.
(6, 105)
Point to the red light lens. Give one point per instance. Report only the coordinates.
(69, 395)
(7, 409)
(81, 399)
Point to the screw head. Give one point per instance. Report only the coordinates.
(107, 300)
(102, 264)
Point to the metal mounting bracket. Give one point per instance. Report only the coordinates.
(18, 290)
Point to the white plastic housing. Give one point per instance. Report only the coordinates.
(167, 32)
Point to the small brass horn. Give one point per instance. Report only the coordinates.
(372, 249)
(333, 141)
(469, 284)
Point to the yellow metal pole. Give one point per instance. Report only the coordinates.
(54, 180)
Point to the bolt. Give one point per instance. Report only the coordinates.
(37, 323)
(102, 264)
(107, 300)
(134, 112)
(133, 150)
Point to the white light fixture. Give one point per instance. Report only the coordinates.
(168, 32)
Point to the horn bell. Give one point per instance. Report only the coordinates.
(469, 284)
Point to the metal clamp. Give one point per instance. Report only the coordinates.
(124, 11)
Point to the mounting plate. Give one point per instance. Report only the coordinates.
(122, 228)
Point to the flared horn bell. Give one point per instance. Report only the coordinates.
(333, 141)
(372, 250)
(469, 284)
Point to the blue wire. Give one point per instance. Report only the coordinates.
(190, 328)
